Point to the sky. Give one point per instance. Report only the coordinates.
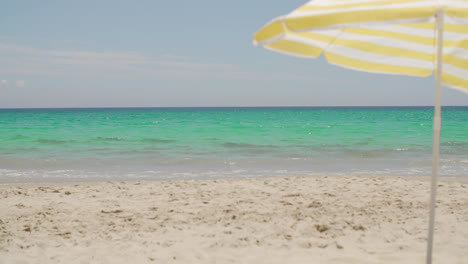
(175, 54)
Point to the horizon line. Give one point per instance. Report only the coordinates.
(280, 106)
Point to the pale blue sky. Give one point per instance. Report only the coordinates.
(174, 53)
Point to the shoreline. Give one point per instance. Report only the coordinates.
(72, 181)
(314, 219)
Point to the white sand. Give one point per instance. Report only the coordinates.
(352, 219)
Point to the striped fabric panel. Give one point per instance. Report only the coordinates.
(363, 35)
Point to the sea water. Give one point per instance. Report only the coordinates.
(191, 143)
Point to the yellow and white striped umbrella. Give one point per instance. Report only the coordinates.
(410, 37)
(384, 36)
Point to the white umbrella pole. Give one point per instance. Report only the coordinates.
(436, 128)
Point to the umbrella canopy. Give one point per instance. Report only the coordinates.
(383, 36)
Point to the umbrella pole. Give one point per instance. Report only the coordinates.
(436, 128)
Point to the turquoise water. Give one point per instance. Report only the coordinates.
(162, 143)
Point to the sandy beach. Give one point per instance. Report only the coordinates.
(339, 219)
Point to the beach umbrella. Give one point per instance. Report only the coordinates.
(409, 37)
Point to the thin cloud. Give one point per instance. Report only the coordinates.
(20, 83)
(35, 61)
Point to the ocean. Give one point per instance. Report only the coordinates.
(41, 145)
